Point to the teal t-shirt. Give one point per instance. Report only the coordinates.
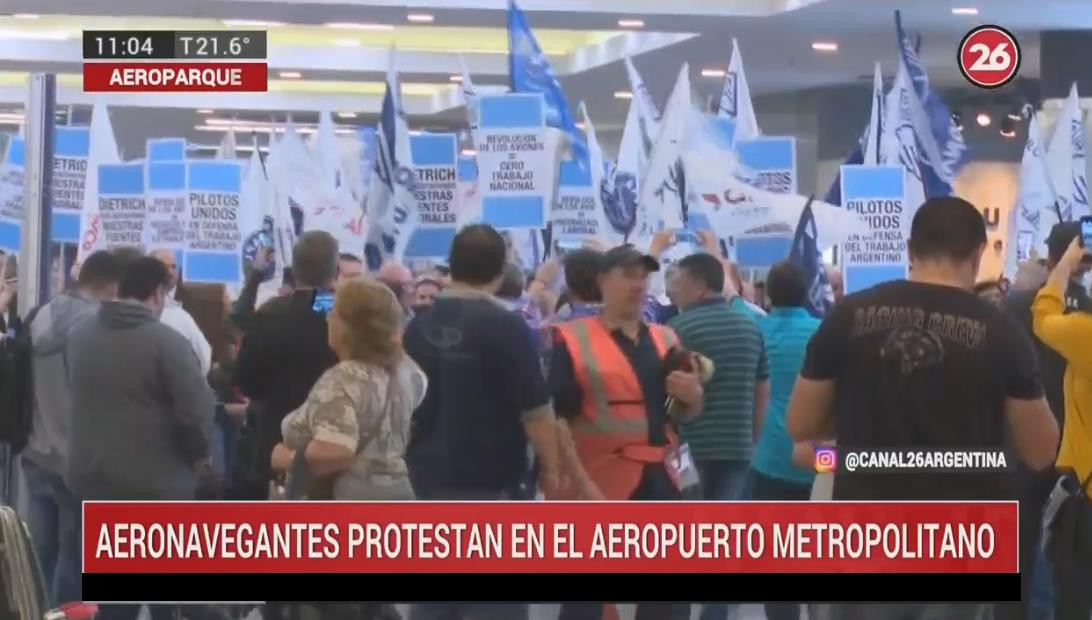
(786, 332)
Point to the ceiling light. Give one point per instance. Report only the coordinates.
(206, 111)
(469, 153)
(983, 119)
(1008, 127)
(25, 16)
(824, 46)
(1008, 133)
(631, 23)
(347, 42)
(623, 94)
(713, 73)
(970, 10)
(420, 18)
(358, 26)
(260, 23)
(290, 75)
(1016, 116)
(456, 78)
(346, 114)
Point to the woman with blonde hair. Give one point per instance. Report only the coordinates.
(348, 439)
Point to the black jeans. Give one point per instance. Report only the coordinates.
(655, 485)
(769, 488)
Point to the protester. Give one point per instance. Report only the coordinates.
(145, 410)
(486, 397)
(284, 350)
(721, 439)
(349, 267)
(836, 281)
(352, 431)
(609, 369)
(243, 308)
(425, 291)
(1071, 336)
(1034, 487)
(924, 364)
(582, 285)
(209, 305)
(53, 512)
(786, 331)
(400, 280)
(175, 317)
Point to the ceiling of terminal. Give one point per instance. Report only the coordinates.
(333, 54)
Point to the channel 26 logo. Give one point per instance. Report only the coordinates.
(989, 56)
(826, 460)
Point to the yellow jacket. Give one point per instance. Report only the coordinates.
(1071, 336)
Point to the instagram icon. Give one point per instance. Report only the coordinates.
(826, 460)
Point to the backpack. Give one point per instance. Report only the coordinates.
(16, 384)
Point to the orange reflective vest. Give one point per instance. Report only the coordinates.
(611, 432)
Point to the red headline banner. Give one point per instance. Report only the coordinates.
(549, 537)
(175, 77)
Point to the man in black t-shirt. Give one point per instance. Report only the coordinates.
(924, 364)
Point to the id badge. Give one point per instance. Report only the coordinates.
(680, 467)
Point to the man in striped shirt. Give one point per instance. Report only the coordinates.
(722, 437)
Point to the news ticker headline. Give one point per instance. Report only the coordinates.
(540, 537)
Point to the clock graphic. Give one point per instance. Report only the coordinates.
(257, 240)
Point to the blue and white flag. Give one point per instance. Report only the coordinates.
(1065, 160)
(663, 186)
(805, 253)
(899, 138)
(1036, 209)
(647, 115)
(735, 99)
(625, 215)
(470, 95)
(102, 149)
(942, 149)
(531, 72)
(868, 147)
(391, 199)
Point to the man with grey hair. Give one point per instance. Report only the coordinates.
(285, 350)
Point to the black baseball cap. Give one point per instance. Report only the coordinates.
(626, 255)
(1059, 239)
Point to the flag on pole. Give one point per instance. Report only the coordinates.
(735, 99)
(805, 253)
(470, 96)
(899, 137)
(390, 201)
(227, 147)
(1065, 160)
(868, 147)
(531, 72)
(941, 147)
(103, 150)
(663, 187)
(1036, 209)
(620, 189)
(647, 116)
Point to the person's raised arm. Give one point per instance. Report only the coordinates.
(243, 309)
(1068, 334)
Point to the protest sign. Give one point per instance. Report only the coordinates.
(770, 163)
(876, 194)
(121, 203)
(435, 175)
(166, 202)
(213, 239)
(576, 215)
(166, 149)
(11, 195)
(515, 162)
(71, 146)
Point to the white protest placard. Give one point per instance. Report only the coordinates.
(122, 210)
(876, 194)
(213, 239)
(515, 161)
(11, 195)
(770, 162)
(166, 202)
(576, 215)
(435, 175)
(71, 146)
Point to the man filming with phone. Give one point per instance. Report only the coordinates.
(284, 350)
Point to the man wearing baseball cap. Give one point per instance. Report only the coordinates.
(619, 382)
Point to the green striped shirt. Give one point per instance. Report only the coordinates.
(724, 430)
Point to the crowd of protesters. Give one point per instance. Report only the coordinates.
(584, 380)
